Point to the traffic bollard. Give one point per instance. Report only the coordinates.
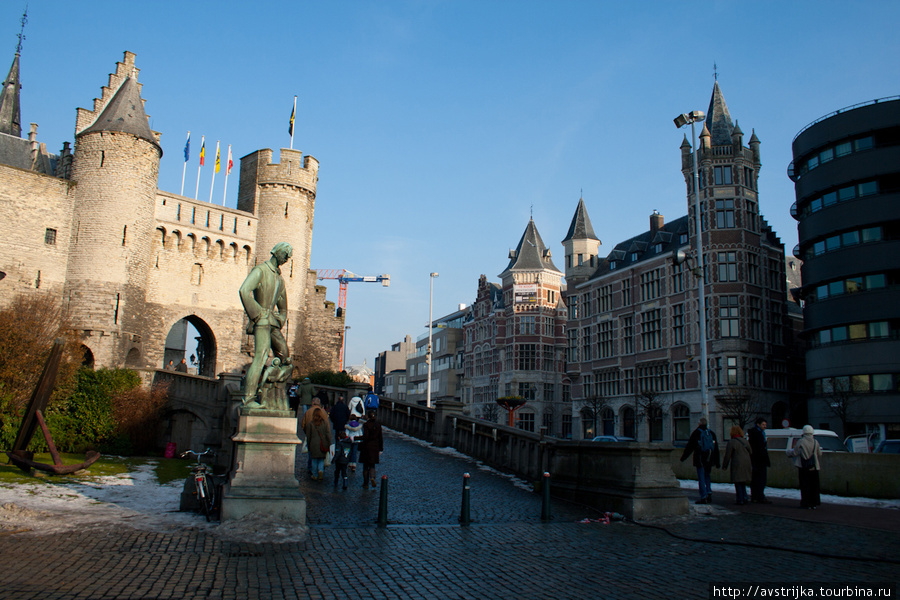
(464, 516)
(382, 502)
(545, 504)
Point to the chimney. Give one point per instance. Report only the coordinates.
(656, 222)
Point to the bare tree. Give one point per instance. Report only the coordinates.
(651, 406)
(842, 402)
(739, 404)
(490, 412)
(591, 409)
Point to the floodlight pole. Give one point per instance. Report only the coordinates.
(681, 120)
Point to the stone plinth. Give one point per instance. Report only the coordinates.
(263, 480)
(630, 478)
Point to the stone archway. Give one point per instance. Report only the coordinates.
(192, 338)
(87, 359)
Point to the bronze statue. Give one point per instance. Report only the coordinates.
(265, 301)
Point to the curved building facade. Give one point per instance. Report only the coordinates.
(846, 170)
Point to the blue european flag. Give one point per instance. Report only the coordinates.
(187, 149)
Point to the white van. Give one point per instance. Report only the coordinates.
(782, 439)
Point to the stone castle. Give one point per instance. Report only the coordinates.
(129, 262)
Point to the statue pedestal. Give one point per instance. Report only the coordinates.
(263, 481)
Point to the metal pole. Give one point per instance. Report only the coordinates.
(382, 502)
(545, 503)
(428, 350)
(698, 226)
(465, 513)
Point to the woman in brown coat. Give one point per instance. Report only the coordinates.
(737, 454)
(318, 440)
(370, 448)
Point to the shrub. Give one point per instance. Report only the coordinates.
(331, 378)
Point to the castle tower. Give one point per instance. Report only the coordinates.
(283, 197)
(116, 167)
(581, 245)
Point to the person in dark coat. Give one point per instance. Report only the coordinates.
(704, 460)
(339, 416)
(370, 448)
(760, 461)
(318, 438)
(737, 454)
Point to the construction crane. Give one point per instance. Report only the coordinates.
(343, 276)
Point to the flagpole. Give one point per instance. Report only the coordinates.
(200, 166)
(227, 171)
(213, 182)
(293, 112)
(187, 155)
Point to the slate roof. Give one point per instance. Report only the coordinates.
(718, 119)
(580, 228)
(531, 254)
(10, 112)
(125, 113)
(644, 244)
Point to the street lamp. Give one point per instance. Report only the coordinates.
(428, 350)
(344, 348)
(693, 117)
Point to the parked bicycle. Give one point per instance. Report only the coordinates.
(204, 483)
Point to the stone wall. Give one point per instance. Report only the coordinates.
(30, 204)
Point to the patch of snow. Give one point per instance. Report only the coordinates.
(795, 495)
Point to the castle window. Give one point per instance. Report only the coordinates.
(124, 234)
(50, 237)
(725, 214)
(723, 175)
(196, 274)
(193, 215)
(727, 266)
(728, 316)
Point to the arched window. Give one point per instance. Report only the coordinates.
(609, 421)
(681, 423)
(628, 429)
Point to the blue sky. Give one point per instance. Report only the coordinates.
(442, 126)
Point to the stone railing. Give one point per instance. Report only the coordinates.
(633, 479)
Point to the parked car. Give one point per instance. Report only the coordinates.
(888, 447)
(782, 439)
(612, 438)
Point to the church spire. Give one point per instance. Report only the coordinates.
(718, 119)
(10, 113)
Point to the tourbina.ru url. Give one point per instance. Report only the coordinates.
(801, 590)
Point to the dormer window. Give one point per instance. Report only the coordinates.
(612, 265)
(657, 248)
(634, 256)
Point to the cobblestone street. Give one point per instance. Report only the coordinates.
(507, 552)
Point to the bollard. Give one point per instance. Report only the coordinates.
(382, 502)
(545, 504)
(464, 517)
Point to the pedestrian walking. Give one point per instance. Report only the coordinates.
(371, 402)
(371, 447)
(354, 434)
(182, 366)
(339, 416)
(705, 449)
(305, 392)
(759, 458)
(738, 456)
(341, 459)
(304, 422)
(806, 456)
(357, 410)
(318, 439)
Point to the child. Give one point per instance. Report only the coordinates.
(354, 434)
(341, 458)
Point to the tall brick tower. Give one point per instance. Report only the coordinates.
(283, 198)
(115, 169)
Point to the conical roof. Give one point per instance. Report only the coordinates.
(580, 228)
(125, 113)
(531, 254)
(10, 112)
(718, 119)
